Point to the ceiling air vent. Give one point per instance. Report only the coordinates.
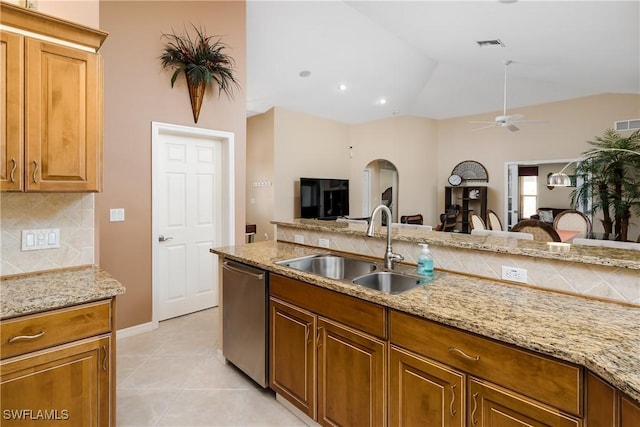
(627, 125)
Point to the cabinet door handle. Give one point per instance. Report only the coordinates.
(13, 170)
(318, 337)
(452, 411)
(26, 337)
(105, 358)
(463, 354)
(306, 333)
(35, 171)
(475, 408)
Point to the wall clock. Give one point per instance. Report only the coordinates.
(455, 179)
(470, 170)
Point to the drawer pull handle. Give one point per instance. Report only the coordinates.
(35, 171)
(475, 408)
(105, 358)
(13, 170)
(463, 354)
(26, 337)
(453, 400)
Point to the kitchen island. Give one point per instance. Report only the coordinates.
(603, 337)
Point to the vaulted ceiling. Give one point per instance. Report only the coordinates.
(423, 58)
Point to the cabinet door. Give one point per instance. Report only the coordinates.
(424, 392)
(493, 406)
(351, 377)
(292, 355)
(63, 126)
(11, 111)
(66, 386)
(629, 412)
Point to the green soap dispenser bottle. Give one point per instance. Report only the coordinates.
(425, 262)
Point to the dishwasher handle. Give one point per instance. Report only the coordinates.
(228, 266)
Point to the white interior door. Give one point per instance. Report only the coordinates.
(188, 200)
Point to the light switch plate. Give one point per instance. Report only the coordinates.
(116, 215)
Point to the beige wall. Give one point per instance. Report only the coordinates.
(260, 170)
(137, 92)
(571, 124)
(305, 146)
(410, 143)
(86, 12)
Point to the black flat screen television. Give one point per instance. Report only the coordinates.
(324, 198)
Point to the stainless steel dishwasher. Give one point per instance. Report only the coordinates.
(245, 321)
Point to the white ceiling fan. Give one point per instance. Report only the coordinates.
(507, 121)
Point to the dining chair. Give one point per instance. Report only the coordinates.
(572, 219)
(476, 222)
(540, 230)
(493, 221)
(411, 219)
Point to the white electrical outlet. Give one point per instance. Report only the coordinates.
(514, 274)
(323, 243)
(35, 240)
(298, 238)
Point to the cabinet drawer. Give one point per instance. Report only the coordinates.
(547, 380)
(30, 333)
(362, 315)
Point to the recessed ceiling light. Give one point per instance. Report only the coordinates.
(487, 43)
(342, 87)
(304, 73)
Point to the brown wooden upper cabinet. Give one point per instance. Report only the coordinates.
(51, 101)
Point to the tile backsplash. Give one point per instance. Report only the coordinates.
(72, 213)
(613, 283)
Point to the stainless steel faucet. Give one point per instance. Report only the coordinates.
(389, 257)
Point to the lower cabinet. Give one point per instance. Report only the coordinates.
(332, 371)
(608, 407)
(292, 358)
(348, 362)
(67, 385)
(493, 406)
(423, 392)
(351, 377)
(58, 368)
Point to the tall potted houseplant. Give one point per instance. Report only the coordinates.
(203, 60)
(613, 181)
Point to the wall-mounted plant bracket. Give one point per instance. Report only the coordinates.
(203, 60)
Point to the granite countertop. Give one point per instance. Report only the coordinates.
(32, 293)
(601, 336)
(613, 257)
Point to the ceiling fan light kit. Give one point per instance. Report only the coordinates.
(507, 121)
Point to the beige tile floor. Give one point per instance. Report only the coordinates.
(172, 377)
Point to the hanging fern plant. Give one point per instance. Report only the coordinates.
(203, 60)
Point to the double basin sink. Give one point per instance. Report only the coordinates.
(354, 270)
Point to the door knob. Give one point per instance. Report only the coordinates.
(161, 238)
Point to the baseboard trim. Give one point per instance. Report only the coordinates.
(135, 330)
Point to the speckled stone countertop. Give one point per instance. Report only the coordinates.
(32, 293)
(613, 257)
(603, 337)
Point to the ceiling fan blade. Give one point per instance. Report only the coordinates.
(484, 127)
(481, 122)
(511, 127)
(531, 122)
